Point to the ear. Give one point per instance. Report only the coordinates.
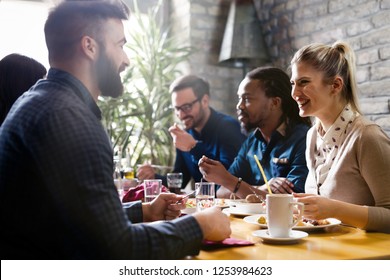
(276, 102)
(89, 47)
(205, 100)
(338, 84)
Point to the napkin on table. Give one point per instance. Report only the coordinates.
(228, 242)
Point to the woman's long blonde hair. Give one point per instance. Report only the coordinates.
(332, 61)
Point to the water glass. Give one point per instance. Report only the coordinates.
(204, 195)
(152, 188)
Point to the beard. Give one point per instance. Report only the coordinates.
(196, 122)
(109, 80)
(246, 126)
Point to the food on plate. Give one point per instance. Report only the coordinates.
(191, 203)
(262, 220)
(221, 202)
(252, 198)
(303, 223)
(308, 222)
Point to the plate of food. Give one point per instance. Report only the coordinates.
(305, 224)
(221, 202)
(190, 206)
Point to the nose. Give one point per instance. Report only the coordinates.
(126, 61)
(180, 114)
(294, 92)
(239, 104)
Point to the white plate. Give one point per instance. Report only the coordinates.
(332, 222)
(295, 236)
(231, 202)
(191, 205)
(236, 212)
(220, 202)
(189, 210)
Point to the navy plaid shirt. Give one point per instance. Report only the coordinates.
(58, 199)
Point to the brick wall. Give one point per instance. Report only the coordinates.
(201, 23)
(288, 25)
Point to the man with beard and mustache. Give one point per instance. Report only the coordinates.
(58, 198)
(206, 131)
(279, 139)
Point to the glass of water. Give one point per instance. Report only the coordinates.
(204, 195)
(152, 189)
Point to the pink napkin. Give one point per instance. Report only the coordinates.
(228, 242)
(137, 193)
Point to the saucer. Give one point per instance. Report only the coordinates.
(295, 236)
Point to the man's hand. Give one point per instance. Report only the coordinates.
(163, 207)
(214, 224)
(182, 139)
(145, 172)
(213, 170)
(280, 185)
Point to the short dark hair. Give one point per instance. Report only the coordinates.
(197, 84)
(68, 22)
(17, 74)
(276, 83)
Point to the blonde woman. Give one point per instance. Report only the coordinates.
(348, 156)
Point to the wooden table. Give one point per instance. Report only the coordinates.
(338, 242)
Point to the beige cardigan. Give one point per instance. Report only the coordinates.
(360, 173)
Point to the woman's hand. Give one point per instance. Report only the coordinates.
(316, 207)
(319, 207)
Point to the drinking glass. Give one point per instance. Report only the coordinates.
(174, 181)
(152, 188)
(204, 195)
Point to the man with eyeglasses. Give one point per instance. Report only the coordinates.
(205, 131)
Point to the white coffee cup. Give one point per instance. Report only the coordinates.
(280, 210)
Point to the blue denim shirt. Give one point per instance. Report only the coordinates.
(283, 156)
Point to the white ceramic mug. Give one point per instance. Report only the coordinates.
(280, 210)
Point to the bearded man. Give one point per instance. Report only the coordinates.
(58, 199)
(204, 131)
(278, 138)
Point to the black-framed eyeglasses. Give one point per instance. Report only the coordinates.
(186, 108)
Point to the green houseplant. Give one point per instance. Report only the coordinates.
(138, 121)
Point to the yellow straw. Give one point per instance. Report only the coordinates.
(262, 173)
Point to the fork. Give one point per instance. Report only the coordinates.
(184, 197)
